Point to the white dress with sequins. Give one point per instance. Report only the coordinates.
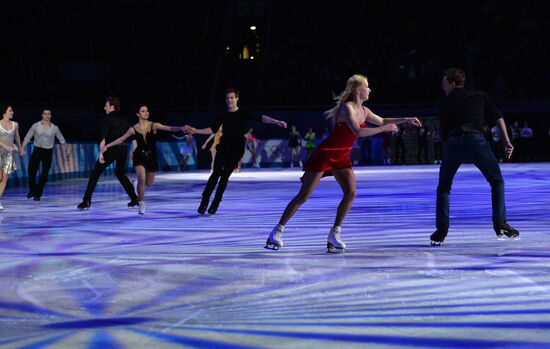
(7, 161)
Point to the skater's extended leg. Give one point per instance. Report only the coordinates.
(309, 183)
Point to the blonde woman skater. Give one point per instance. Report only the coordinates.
(332, 157)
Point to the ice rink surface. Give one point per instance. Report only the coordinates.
(108, 278)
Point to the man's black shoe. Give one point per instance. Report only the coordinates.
(84, 205)
(133, 204)
(438, 236)
(202, 206)
(214, 207)
(505, 231)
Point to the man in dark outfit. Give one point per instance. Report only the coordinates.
(114, 126)
(462, 116)
(230, 150)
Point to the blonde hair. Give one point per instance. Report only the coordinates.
(353, 83)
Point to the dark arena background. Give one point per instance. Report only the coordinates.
(108, 277)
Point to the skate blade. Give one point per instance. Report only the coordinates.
(503, 237)
(271, 246)
(334, 250)
(436, 243)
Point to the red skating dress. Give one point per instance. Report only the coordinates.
(334, 152)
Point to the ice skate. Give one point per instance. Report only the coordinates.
(438, 236)
(334, 242)
(275, 239)
(505, 232)
(141, 208)
(214, 206)
(133, 204)
(84, 205)
(203, 206)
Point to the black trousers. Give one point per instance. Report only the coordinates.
(224, 165)
(39, 156)
(116, 154)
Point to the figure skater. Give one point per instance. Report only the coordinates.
(230, 150)
(9, 132)
(332, 157)
(144, 152)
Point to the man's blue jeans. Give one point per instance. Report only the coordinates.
(474, 148)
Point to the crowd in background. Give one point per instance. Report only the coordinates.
(180, 56)
(422, 145)
(184, 54)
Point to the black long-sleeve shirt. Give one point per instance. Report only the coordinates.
(234, 127)
(114, 125)
(466, 110)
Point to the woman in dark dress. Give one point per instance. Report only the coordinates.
(144, 154)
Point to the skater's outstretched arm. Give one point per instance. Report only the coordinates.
(269, 120)
(202, 131)
(157, 126)
(119, 140)
(377, 120)
(353, 124)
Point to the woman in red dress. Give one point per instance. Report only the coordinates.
(332, 157)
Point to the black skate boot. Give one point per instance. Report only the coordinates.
(133, 204)
(505, 232)
(84, 205)
(203, 206)
(214, 206)
(438, 236)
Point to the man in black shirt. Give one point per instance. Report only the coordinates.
(230, 150)
(114, 126)
(462, 116)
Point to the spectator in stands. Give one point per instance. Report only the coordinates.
(422, 141)
(295, 146)
(310, 139)
(526, 137)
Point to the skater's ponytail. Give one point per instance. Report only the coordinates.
(353, 83)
